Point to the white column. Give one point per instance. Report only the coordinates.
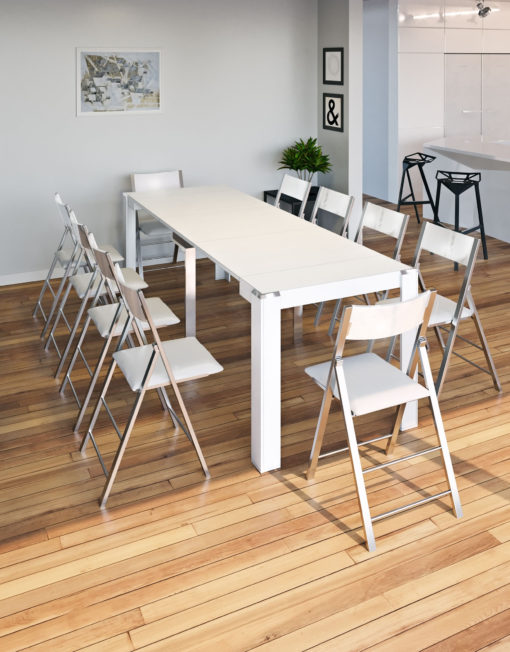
(130, 224)
(408, 290)
(265, 382)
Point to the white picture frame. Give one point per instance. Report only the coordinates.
(118, 81)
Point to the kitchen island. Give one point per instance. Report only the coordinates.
(474, 154)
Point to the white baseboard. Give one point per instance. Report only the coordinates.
(27, 277)
(40, 275)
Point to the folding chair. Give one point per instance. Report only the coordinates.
(81, 267)
(447, 314)
(63, 257)
(87, 286)
(296, 188)
(384, 221)
(148, 228)
(109, 321)
(150, 366)
(331, 210)
(367, 383)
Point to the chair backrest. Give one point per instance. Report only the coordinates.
(104, 261)
(143, 181)
(64, 212)
(457, 247)
(295, 188)
(385, 320)
(385, 221)
(331, 202)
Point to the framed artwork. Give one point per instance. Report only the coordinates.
(113, 81)
(333, 111)
(333, 66)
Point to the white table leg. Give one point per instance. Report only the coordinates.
(190, 284)
(130, 215)
(219, 273)
(408, 290)
(265, 382)
(190, 265)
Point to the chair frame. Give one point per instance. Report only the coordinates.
(463, 250)
(66, 235)
(138, 311)
(79, 261)
(111, 279)
(337, 375)
(385, 221)
(106, 269)
(101, 291)
(296, 188)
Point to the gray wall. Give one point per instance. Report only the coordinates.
(333, 25)
(340, 24)
(237, 81)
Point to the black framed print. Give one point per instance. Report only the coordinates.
(333, 111)
(333, 66)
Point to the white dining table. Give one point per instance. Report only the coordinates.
(280, 261)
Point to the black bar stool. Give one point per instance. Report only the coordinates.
(459, 182)
(417, 159)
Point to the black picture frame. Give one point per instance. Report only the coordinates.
(329, 76)
(335, 121)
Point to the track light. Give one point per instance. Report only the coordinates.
(483, 11)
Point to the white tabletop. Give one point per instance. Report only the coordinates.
(268, 248)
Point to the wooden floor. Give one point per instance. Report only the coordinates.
(244, 560)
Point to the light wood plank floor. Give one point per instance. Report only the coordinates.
(247, 561)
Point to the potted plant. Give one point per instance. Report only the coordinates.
(306, 158)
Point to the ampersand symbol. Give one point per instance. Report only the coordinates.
(332, 117)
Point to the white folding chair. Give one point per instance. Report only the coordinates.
(109, 320)
(150, 231)
(366, 383)
(150, 366)
(331, 211)
(383, 221)
(296, 189)
(87, 286)
(447, 314)
(63, 258)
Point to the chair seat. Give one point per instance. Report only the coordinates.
(151, 228)
(442, 312)
(80, 283)
(133, 279)
(115, 255)
(187, 358)
(103, 316)
(373, 384)
(64, 256)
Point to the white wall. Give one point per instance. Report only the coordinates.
(423, 44)
(238, 84)
(421, 33)
(376, 92)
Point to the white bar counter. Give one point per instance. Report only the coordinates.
(474, 154)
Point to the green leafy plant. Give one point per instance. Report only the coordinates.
(305, 158)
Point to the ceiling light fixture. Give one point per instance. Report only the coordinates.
(483, 11)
